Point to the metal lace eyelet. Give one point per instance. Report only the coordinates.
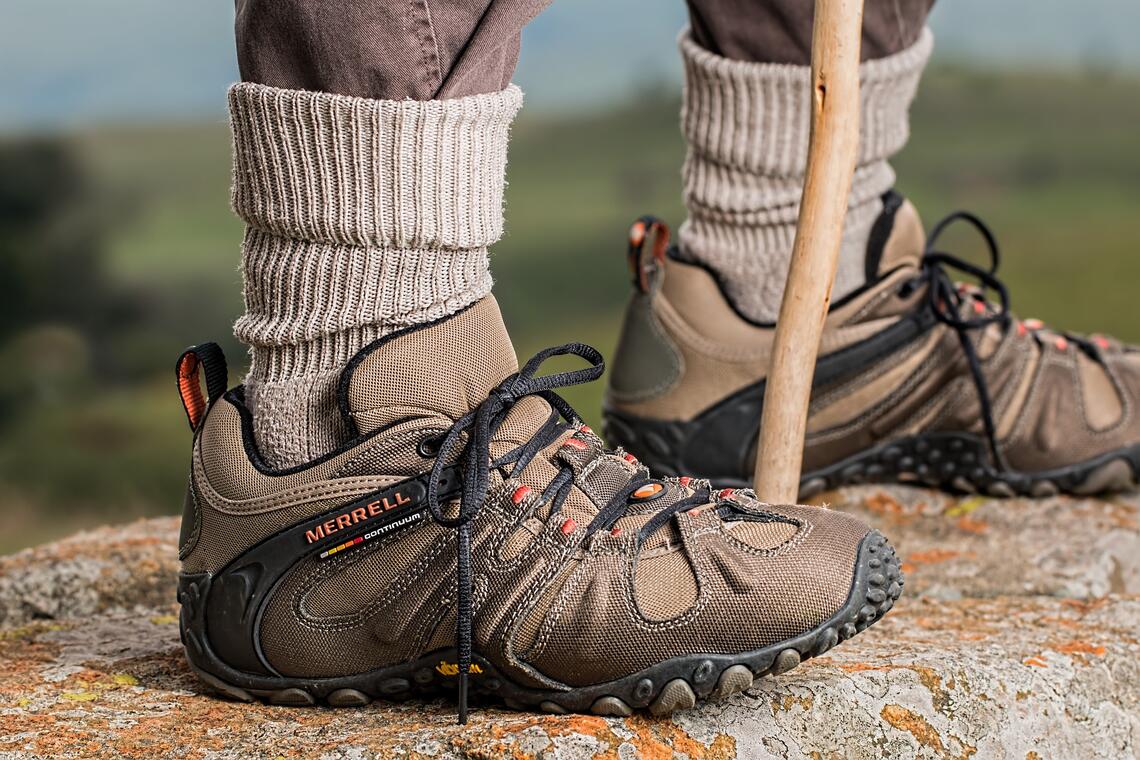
(428, 447)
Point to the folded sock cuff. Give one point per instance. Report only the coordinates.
(363, 217)
(755, 116)
(375, 173)
(309, 307)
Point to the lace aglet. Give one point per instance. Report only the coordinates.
(463, 697)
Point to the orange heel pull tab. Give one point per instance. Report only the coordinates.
(643, 267)
(209, 358)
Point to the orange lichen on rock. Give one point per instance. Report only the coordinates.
(930, 557)
(971, 525)
(914, 724)
(933, 683)
(852, 667)
(662, 739)
(1081, 647)
(1085, 606)
(882, 503)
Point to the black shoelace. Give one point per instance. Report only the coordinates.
(951, 304)
(475, 465)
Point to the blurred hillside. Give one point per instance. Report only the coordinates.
(118, 249)
(64, 63)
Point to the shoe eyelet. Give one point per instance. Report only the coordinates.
(647, 492)
(428, 447)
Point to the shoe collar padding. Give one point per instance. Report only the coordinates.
(441, 369)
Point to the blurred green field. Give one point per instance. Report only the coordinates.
(1051, 161)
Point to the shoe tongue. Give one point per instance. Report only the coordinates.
(897, 238)
(441, 370)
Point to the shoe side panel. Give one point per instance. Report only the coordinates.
(706, 354)
(646, 362)
(597, 624)
(395, 602)
(362, 609)
(239, 504)
(1074, 412)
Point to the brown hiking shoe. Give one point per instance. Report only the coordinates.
(475, 532)
(918, 380)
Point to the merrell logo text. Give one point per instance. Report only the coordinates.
(356, 516)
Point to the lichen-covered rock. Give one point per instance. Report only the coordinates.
(104, 570)
(980, 546)
(1024, 642)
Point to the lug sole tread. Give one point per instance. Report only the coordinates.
(949, 463)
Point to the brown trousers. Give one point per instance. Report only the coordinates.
(427, 49)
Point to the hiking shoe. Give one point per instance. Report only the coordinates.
(919, 380)
(475, 535)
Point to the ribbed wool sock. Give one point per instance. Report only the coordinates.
(747, 128)
(363, 217)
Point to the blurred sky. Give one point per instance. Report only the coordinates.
(71, 62)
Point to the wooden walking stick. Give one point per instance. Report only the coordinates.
(836, 37)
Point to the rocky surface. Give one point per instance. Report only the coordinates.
(1019, 638)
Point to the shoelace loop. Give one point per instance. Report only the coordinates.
(475, 465)
(948, 299)
(479, 425)
(946, 302)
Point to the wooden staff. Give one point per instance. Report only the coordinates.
(836, 36)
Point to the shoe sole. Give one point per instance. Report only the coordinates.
(956, 462)
(960, 463)
(675, 684)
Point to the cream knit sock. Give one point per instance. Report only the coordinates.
(363, 217)
(747, 128)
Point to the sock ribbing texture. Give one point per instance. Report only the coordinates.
(363, 217)
(747, 126)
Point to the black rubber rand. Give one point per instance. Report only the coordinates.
(675, 684)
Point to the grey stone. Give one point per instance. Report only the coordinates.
(1019, 634)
